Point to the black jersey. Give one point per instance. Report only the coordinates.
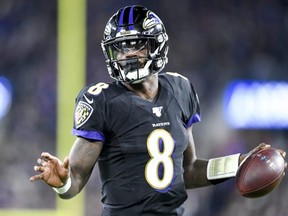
(141, 163)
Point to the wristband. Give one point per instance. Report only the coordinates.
(64, 188)
(223, 167)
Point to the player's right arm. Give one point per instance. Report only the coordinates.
(78, 167)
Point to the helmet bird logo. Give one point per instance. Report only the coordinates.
(150, 21)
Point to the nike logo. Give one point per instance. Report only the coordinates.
(90, 101)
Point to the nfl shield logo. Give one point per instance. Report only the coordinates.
(157, 111)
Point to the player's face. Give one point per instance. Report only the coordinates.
(132, 49)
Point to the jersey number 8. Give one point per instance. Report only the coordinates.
(160, 157)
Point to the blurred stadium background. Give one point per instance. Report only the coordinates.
(47, 54)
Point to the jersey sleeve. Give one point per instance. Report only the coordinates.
(193, 114)
(89, 122)
(185, 94)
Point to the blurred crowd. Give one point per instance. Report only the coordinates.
(211, 42)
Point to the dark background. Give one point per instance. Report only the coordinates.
(211, 43)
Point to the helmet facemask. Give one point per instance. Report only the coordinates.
(136, 65)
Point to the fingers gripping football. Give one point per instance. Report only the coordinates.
(266, 146)
(52, 170)
(261, 171)
(263, 146)
(243, 157)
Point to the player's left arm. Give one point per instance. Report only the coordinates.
(194, 168)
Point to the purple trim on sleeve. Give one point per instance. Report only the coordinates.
(89, 134)
(195, 118)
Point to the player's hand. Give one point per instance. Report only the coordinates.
(260, 147)
(52, 170)
(283, 153)
(256, 149)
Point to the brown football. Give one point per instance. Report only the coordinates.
(260, 173)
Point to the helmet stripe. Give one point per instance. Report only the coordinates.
(120, 22)
(131, 19)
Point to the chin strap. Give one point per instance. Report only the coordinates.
(131, 74)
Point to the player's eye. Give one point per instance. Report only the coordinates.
(130, 45)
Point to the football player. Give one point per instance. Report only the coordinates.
(137, 128)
